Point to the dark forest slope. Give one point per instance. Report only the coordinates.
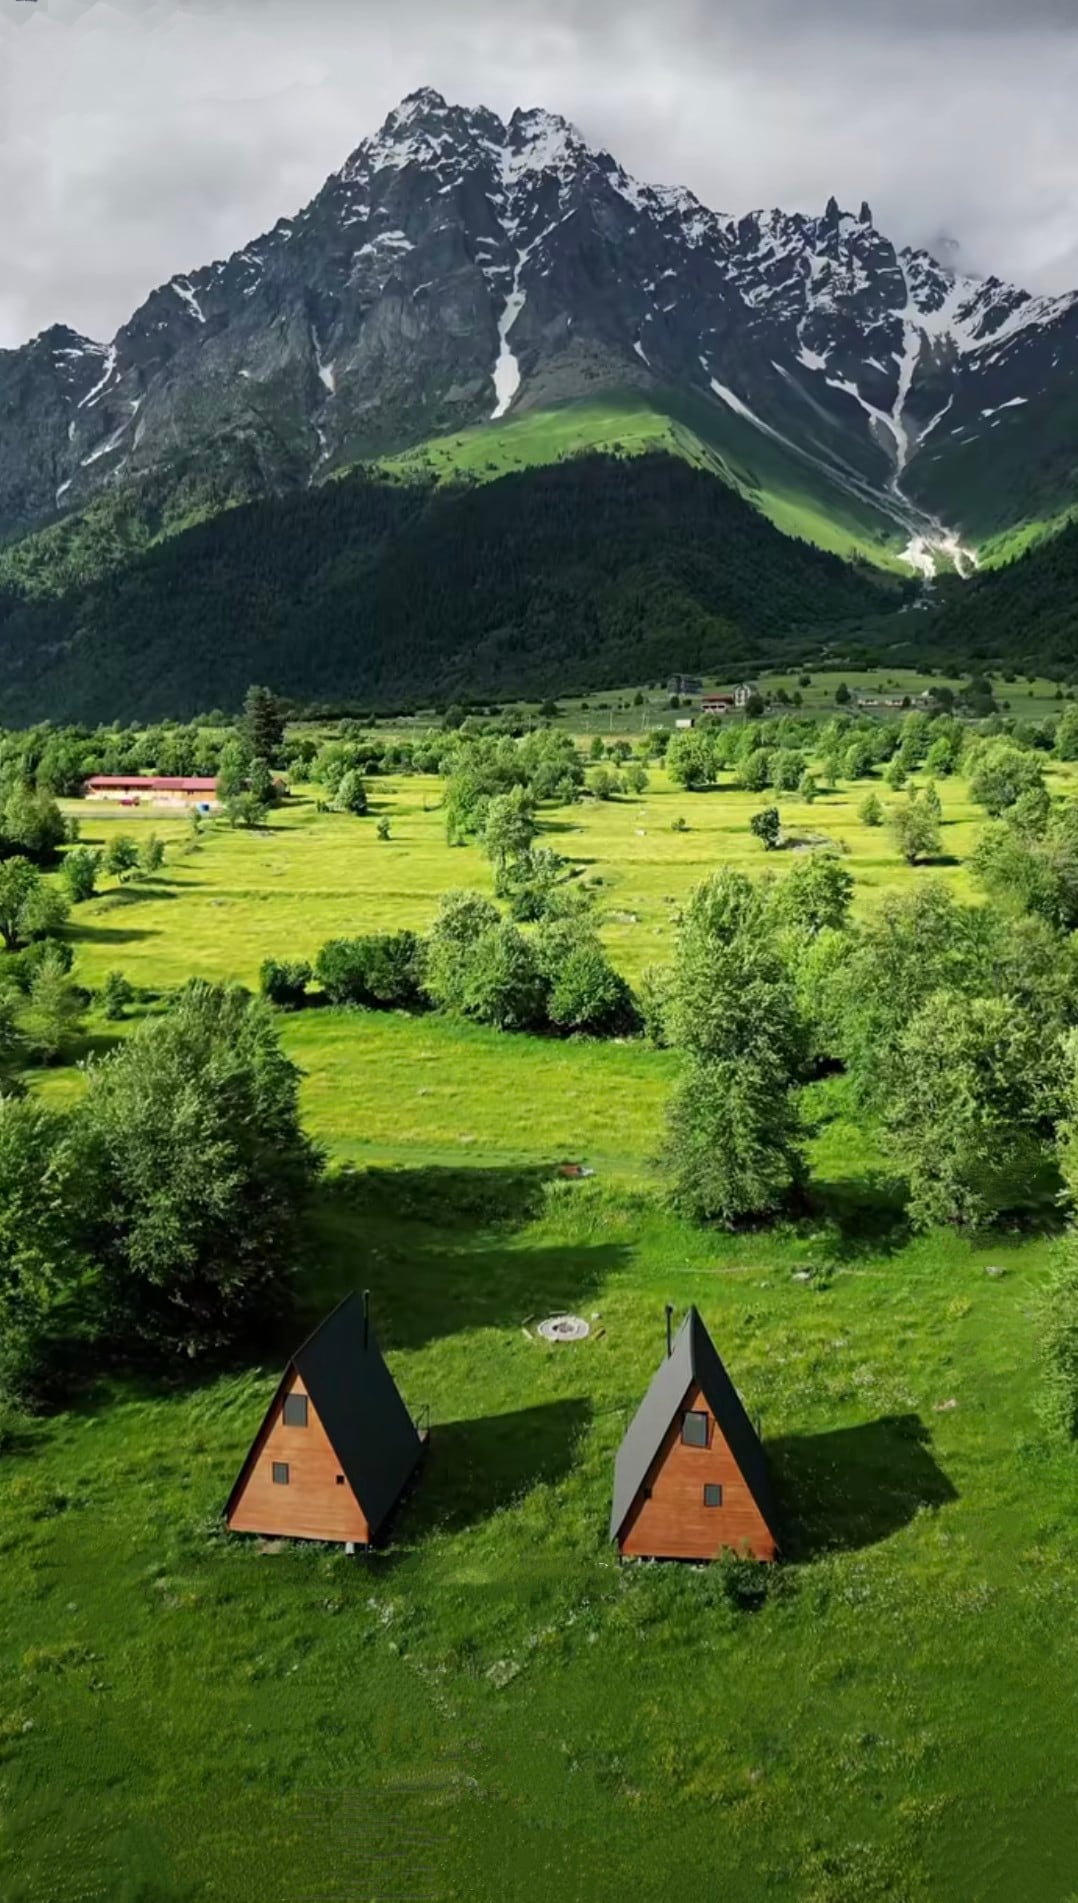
(575, 576)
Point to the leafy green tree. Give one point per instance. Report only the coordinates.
(245, 809)
(193, 1126)
(1066, 740)
(603, 784)
(285, 983)
(870, 812)
(262, 725)
(916, 830)
(232, 771)
(857, 761)
(53, 1013)
(808, 788)
(151, 856)
(121, 856)
(816, 896)
(503, 982)
(971, 1094)
(79, 872)
(915, 943)
(32, 825)
(842, 695)
(351, 793)
(732, 993)
(586, 994)
(260, 782)
(46, 1273)
(1000, 774)
(940, 758)
(510, 829)
(636, 779)
(28, 907)
(383, 828)
(766, 826)
(732, 1140)
(897, 774)
(787, 766)
(536, 886)
(117, 993)
(690, 760)
(929, 798)
(382, 971)
(462, 920)
(754, 773)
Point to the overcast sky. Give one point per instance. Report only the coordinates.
(143, 137)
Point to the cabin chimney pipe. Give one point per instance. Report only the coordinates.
(669, 1329)
(366, 1314)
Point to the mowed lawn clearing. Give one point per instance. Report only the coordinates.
(494, 1706)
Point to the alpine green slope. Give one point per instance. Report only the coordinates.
(792, 488)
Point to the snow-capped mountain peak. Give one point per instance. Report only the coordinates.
(459, 268)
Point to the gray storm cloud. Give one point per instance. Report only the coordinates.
(143, 137)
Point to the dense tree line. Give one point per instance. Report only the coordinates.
(586, 572)
(955, 1025)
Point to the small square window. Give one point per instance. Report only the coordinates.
(280, 1473)
(295, 1410)
(694, 1430)
(712, 1496)
(340, 1480)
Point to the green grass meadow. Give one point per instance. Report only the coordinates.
(492, 1706)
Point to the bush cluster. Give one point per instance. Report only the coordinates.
(473, 964)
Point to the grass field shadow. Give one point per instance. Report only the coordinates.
(442, 1253)
(476, 1468)
(867, 1213)
(108, 934)
(856, 1486)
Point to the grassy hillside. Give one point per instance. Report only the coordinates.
(493, 1702)
(792, 491)
(573, 575)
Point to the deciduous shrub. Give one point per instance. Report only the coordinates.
(285, 984)
(380, 972)
(586, 994)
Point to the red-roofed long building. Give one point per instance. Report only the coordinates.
(138, 789)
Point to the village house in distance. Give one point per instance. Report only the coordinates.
(337, 1446)
(691, 1480)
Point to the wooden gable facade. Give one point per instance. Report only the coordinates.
(691, 1477)
(337, 1446)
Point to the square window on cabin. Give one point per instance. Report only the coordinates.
(340, 1480)
(712, 1496)
(295, 1410)
(694, 1430)
(280, 1473)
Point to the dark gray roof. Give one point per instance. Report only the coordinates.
(693, 1362)
(360, 1407)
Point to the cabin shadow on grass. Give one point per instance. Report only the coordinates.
(437, 1248)
(475, 1468)
(854, 1487)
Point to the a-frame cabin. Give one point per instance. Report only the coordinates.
(337, 1446)
(691, 1478)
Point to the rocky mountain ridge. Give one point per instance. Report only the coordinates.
(459, 270)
